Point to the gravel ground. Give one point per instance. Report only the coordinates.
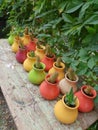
(6, 121)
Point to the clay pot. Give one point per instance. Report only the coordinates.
(40, 52)
(15, 45)
(64, 113)
(31, 46)
(48, 62)
(36, 76)
(65, 84)
(29, 62)
(26, 39)
(86, 102)
(21, 55)
(49, 90)
(59, 70)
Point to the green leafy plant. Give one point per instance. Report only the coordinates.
(70, 99)
(31, 54)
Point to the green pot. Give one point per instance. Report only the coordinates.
(36, 76)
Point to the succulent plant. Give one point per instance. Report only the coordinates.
(58, 62)
(37, 63)
(71, 74)
(39, 45)
(31, 54)
(49, 51)
(21, 45)
(88, 91)
(53, 77)
(70, 99)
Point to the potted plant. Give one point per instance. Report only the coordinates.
(37, 74)
(15, 45)
(59, 67)
(21, 54)
(26, 38)
(29, 61)
(66, 109)
(40, 50)
(11, 36)
(31, 46)
(86, 96)
(49, 88)
(70, 81)
(48, 58)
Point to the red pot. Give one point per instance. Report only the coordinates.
(21, 55)
(48, 62)
(86, 102)
(31, 46)
(48, 90)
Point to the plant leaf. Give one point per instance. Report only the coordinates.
(67, 18)
(91, 63)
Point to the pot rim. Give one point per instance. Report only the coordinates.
(93, 92)
(71, 108)
(42, 49)
(47, 76)
(50, 57)
(62, 64)
(77, 78)
(43, 65)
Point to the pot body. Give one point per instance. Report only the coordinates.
(59, 70)
(65, 114)
(15, 45)
(21, 55)
(36, 76)
(11, 39)
(29, 62)
(65, 85)
(40, 52)
(86, 102)
(48, 90)
(48, 62)
(31, 46)
(26, 39)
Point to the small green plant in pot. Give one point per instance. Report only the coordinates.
(49, 58)
(70, 81)
(37, 73)
(66, 109)
(58, 66)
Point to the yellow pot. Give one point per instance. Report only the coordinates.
(60, 71)
(15, 45)
(40, 52)
(29, 62)
(64, 113)
(26, 39)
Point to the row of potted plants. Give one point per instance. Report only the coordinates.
(47, 71)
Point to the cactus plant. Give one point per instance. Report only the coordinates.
(70, 99)
(37, 63)
(88, 91)
(48, 52)
(53, 78)
(39, 45)
(26, 31)
(58, 62)
(71, 74)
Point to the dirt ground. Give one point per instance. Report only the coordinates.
(6, 121)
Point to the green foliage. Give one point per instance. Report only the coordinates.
(70, 99)
(31, 54)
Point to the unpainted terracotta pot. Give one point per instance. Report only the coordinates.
(64, 113)
(66, 84)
